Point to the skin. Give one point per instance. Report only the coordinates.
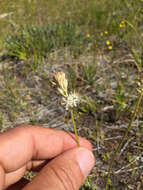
(52, 153)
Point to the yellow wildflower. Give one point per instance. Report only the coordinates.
(107, 42)
(122, 24)
(105, 32)
(110, 47)
(88, 35)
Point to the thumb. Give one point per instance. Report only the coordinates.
(66, 172)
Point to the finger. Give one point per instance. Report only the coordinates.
(19, 185)
(66, 171)
(2, 177)
(23, 144)
(13, 177)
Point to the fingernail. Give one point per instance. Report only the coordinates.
(85, 160)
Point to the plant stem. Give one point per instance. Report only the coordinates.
(74, 126)
(123, 138)
(90, 183)
(78, 142)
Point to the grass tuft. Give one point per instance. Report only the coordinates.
(40, 41)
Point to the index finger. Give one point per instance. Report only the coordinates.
(22, 144)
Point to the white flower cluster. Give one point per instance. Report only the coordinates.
(71, 99)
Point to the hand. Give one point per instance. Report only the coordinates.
(54, 153)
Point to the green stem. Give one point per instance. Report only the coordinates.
(78, 141)
(90, 183)
(123, 138)
(74, 126)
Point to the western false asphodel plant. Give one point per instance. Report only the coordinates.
(69, 99)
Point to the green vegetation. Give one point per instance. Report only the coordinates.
(39, 42)
(98, 44)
